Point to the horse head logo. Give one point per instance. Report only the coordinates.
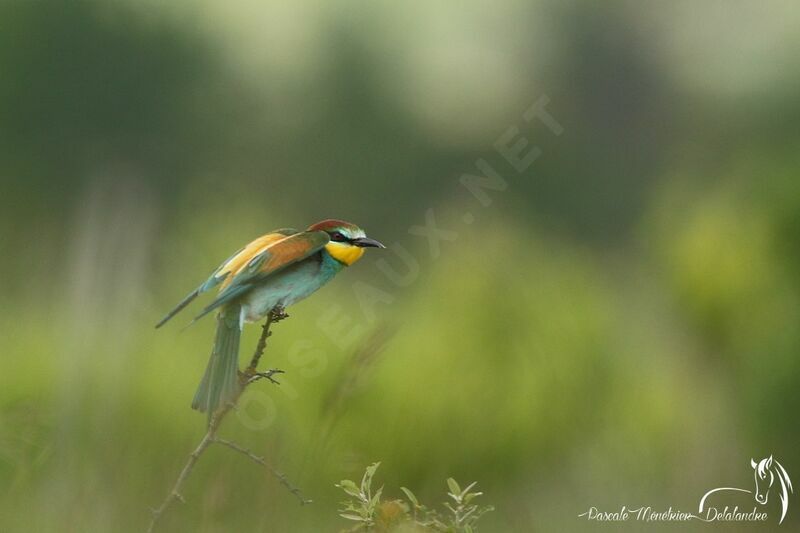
(762, 472)
(765, 472)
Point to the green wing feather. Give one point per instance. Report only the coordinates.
(218, 276)
(269, 262)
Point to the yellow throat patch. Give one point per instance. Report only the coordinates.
(344, 252)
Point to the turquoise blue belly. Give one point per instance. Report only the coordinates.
(289, 286)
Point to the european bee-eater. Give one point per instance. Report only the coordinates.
(269, 274)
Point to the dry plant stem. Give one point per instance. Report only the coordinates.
(247, 377)
(261, 346)
(260, 460)
(208, 439)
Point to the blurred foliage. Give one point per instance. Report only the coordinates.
(618, 327)
(372, 513)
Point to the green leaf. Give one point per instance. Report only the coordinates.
(468, 512)
(454, 488)
(372, 468)
(351, 517)
(376, 499)
(349, 487)
(366, 481)
(410, 496)
(471, 495)
(466, 490)
(482, 512)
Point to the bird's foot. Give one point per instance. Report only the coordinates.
(278, 313)
(266, 375)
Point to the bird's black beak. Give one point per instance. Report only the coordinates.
(366, 242)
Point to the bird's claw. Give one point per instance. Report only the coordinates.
(267, 375)
(278, 313)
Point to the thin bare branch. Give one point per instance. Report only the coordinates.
(175, 493)
(250, 375)
(260, 460)
(261, 346)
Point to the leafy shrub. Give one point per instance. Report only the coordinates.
(375, 514)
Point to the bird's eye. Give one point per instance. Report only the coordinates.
(338, 237)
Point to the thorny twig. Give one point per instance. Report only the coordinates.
(250, 375)
(260, 460)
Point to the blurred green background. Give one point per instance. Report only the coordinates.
(618, 327)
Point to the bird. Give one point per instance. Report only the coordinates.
(265, 277)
